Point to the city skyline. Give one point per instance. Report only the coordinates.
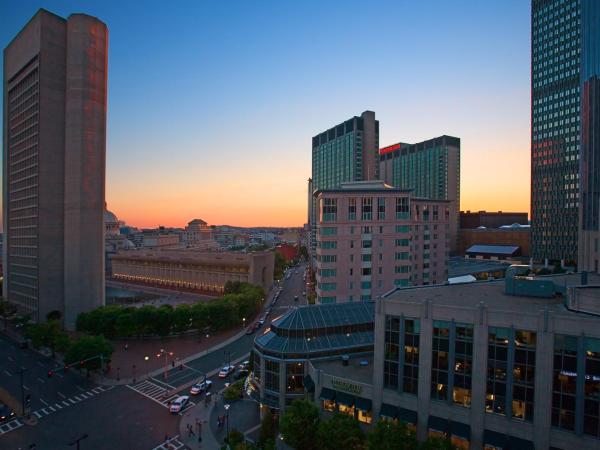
(456, 71)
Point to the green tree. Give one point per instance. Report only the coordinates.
(125, 325)
(280, 265)
(391, 436)
(182, 318)
(87, 347)
(54, 315)
(235, 438)
(48, 334)
(303, 252)
(437, 443)
(163, 320)
(341, 431)
(6, 310)
(299, 424)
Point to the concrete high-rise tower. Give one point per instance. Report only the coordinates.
(54, 127)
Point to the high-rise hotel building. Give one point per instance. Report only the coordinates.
(431, 169)
(372, 238)
(564, 156)
(54, 127)
(345, 152)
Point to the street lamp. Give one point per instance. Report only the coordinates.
(146, 359)
(207, 336)
(244, 322)
(227, 420)
(166, 355)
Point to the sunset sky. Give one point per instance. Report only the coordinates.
(212, 104)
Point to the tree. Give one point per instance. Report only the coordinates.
(391, 436)
(6, 310)
(437, 443)
(54, 315)
(279, 266)
(48, 334)
(341, 431)
(182, 318)
(267, 428)
(235, 438)
(303, 252)
(299, 425)
(87, 347)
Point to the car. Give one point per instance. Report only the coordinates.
(179, 403)
(244, 365)
(261, 321)
(295, 298)
(200, 386)
(304, 293)
(6, 413)
(226, 370)
(273, 303)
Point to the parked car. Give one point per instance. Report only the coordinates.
(179, 403)
(261, 321)
(6, 413)
(304, 293)
(295, 298)
(244, 365)
(200, 386)
(226, 370)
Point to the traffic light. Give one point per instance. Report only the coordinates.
(81, 363)
(50, 373)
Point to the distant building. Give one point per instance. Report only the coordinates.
(430, 168)
(197, 231)
(160, 240)
(193, 270)
(489, 219)
(372, 238)
(55, 91)
(343, 153)
(288, 251)
(114, 241)
(511, 235)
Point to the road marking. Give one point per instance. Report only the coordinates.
(66, 403)
(72, 401)
(40, 380)
(7, 373)
(51, 409)
(11, 359)
(25, 387)
(37, 414)
(76, 398)
(43, 401)
(58, 406)
(61, 394)
(157, 394)
(80, 388)
(10, 426)
(172, 444)
(58, 375)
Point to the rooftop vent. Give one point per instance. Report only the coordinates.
(519, 282)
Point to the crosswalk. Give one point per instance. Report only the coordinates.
(10, 426)
(173, 444)
(67, 402)
(158, 392)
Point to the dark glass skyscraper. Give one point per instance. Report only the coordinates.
(555, 128)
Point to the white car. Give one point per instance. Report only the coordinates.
(200, 386)
(226, 370)
(178, 404)
(244, 365)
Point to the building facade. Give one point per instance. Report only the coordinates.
(565, 52)
(491, 365)
(196, 232)
(372, 238)
(55, 87)
(198, 271)
(515, 235)
(589, 222)
(346, 152)
(431, 169)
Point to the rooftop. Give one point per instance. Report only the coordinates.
(459, 266)
(353, 371)
(507, 250)
(492, 293)
(326, 316)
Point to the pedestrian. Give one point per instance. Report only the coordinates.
(126, 346)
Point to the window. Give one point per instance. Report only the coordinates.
(367, 208)
(564, 382)
(401, 256)
(463, 359)
(402, 269)
(271, 375)
(402, 211)
(523, 375)
(327, 286)
(402, 242)
(591, 408)
(328, 245)
(402, 228)
(381, 208)
(365, 285)
(498, 342)
(367, 244)
(365, 257)
(327, 272)
(440, 360)
(391, 352)
(328, 231)
(366, 271)
(328, 258)
(425, 212)
(436, 212)
(329, 209)
(410, 371)
(294, 377)
(352, 210)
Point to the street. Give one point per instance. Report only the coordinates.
(135, 416)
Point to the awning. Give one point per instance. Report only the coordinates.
(494, 438)
(327, 394)
(309, 384)
(341, 398)
(438, 424)
(408, 416)
(521, 444)
(388, 411)
(460, 429)
(364, 404)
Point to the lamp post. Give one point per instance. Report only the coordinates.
(133, 374)
(244, 323)
(227, 420)
(166, 354)
(146, 359)
(207, 336)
